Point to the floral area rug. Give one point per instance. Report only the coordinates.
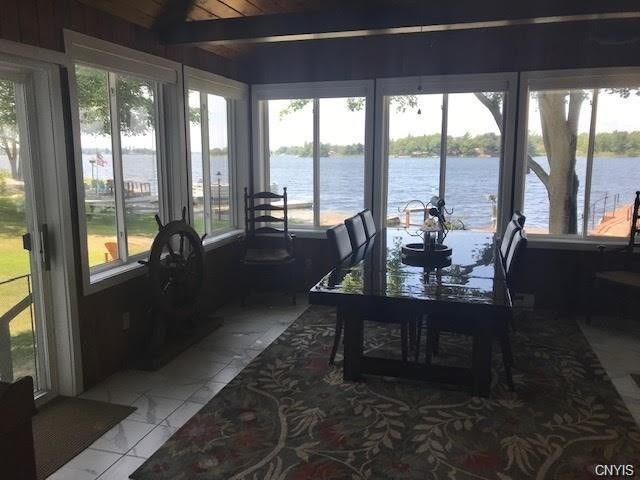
(289, 416)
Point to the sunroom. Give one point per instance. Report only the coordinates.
(251, 239)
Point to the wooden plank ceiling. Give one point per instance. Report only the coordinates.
(146, 12)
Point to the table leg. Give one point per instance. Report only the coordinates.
(482, 363)
(353, 345)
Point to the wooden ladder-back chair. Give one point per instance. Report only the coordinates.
(268, 244)
(622, 271)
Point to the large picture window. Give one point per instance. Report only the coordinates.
(120, 164)
(447, 145)
(211, 173)
(316, 149)
(582, 164)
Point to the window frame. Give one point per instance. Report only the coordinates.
(313, 91)
(587, 79)
(236, 95)
(447, 84)
(166, 76)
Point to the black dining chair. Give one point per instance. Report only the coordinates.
(339, 243)
(516, 223)
(368, 222)
(357, 234)
(513, 263)
(618, 268)
(343, 254)
(510, 263)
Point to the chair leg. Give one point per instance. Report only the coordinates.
(507, 357)
(336, 338)
(404, 340)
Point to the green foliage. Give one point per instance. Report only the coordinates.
(354, 104)
(295, 106)
(135, 100)
(3, 182)
(326, 150)
(607, 144)
(7, 104)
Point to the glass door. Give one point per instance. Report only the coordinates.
(24, 261)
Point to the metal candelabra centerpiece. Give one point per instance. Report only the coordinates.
(433, 231)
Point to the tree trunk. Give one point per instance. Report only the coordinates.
(559, 134)
(10, 149)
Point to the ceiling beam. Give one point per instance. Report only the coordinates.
(175, 12)
(424, 17)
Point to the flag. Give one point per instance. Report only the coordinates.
(100, 160)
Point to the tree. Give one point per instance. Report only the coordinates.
(136, 109)
(560, 139)
(135, 101)
(9, 138)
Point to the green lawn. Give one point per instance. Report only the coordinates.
(14, 261)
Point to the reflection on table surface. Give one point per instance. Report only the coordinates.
(473, 274)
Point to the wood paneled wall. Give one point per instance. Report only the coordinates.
(106, 346)
(40, 23)
(512, 49)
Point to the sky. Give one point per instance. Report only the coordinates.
(340, 126)
(614, 113)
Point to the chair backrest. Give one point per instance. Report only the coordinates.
(507, 239)
(369, 224)
(519, 218)
(262, 217)
(515, 254)
(339, 243)
(355, 227)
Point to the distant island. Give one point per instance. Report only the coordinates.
(612, 144)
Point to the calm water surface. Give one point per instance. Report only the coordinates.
(470, 182)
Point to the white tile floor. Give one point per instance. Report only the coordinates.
(168, 398)
(616, 341)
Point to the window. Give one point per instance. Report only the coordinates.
(291, 164)
(582, 164)
(315, 147)
(446, 145)
(120, 164)
(212, 189)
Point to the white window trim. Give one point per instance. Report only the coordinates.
(65, 350)
(115, 58)
(589, 78)
(311, 90)
(237, 95)
(445, 84)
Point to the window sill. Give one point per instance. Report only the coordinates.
(120, 274)
(545, 243)
(222, 238)
(309, 233)
(113, 276)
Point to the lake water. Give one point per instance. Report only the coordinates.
(470, 182)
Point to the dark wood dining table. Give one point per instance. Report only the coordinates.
(467, 292)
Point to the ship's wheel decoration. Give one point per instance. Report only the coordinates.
(176, 267)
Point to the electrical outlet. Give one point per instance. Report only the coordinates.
(126, 321)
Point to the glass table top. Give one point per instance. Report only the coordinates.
(471, 275)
